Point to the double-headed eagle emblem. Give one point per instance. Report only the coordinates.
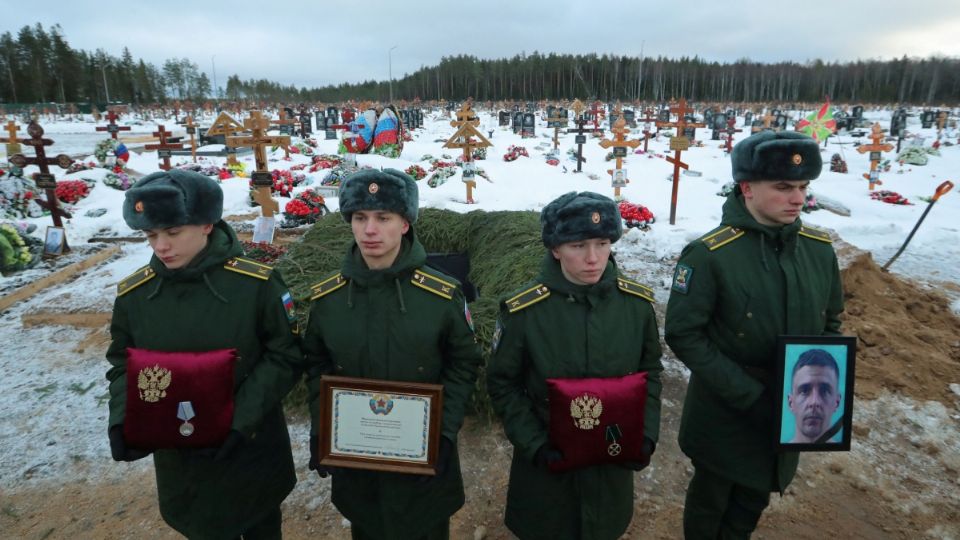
(153, 383)
(586, 411)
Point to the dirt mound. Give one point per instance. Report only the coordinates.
(908, 338)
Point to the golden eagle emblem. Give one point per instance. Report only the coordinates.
(153, 383)
(586, 411)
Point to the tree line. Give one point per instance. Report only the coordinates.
(38, 65)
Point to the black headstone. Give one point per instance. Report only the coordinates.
(630, 117)
(504, 118)
(529, 125)
(333, 115)
(517, 122)
(927, 118)
(306, 125)
(748, 118)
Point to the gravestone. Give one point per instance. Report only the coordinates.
(780, 123)
(529, 125)
(708, 118)
(857, 115)
(898, 122)
(630, 117)
(333, 115)
(551, 109)
(927, 118)
(306, 125)
(321, 120)
(419, 118)
(843, 121)
(748, 118)
(504, 118)
(517, 122)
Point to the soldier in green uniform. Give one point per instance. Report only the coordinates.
(581, 319)
(199, 294)
(386, 315)
(762, 273)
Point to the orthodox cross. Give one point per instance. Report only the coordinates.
(731, 129)
(112, 127)
(581, 138)
(941, 121)
(13, 147)
(44, 179)
(619, 143)
(192, 132)
(875, 149)
(466, 124)
(646, 127)
(226, 126)
(163, 149)
(556, 120)
(258, 140)
(767, 119)
(678, 144)
(596, 111)
(577, 107)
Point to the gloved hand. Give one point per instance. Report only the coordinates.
(760, 413)
(546, 455)
(234, 440)
(649, 447)
(118, 448)
(322, 470)
(443, 461)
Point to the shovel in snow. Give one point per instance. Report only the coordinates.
(942, 189)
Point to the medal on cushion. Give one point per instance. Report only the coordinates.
(185, 413)
(613, 435)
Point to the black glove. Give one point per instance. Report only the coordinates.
(760, 414)
(234, 440)
(443, 461)
(649, 447)
(118, 448)
(546, 455)
(322, 470)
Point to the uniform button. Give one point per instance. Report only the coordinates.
(420, 369)
(749, 315)
(740, 334)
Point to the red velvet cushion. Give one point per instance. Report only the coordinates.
(157, 382)
(584, 413)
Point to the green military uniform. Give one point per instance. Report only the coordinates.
(218, 301)
(406, 323)
(734, 291)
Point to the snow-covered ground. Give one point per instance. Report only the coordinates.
(53, 394)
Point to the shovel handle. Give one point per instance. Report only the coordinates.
(942, 189)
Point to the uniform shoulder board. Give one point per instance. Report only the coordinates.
(816, 234)
(527, 298)
(248, 267)
(429, 282)
(327, 286)
(636, 289)
(722, 237)
(135, 280)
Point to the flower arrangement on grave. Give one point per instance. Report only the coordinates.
(426, 157)
(890, 197)
(440, 177)
(636, 215)
(298, 167)
(72, 191)
(553, 161)
(18, 198)
(78, 166)
(326, 161)
(104, 149)
(301, 148)
(15, 249)
(838, 164)
(416, 172)
(118, 180)
(514, 152)
(263, 252)
(440, 164)
(609, 156)
(237, 169)
(305, 208)
(446, 156)
(390, 150)
(337, 174)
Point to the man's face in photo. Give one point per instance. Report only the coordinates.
(813, 400)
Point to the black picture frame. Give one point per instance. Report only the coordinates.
(54, 241)
(814, 362)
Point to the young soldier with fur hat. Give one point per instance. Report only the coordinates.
(197, 295)
(386, 315)
(580, 319)
(761, 274)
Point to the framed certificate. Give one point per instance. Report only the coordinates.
(380, 425)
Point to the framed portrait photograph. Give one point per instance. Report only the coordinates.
(54, 241)
(815, 376)
(380, 425)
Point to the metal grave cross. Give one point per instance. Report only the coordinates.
(112, 127)
(731, 129)
(581, 138)
(44, 179)
(619, 143)
(678, 144)
(466, 124)
(163, 149)
(875, 150)
(259, 140)
(597, 112)
(13, 147)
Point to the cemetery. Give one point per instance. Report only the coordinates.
(883, 196)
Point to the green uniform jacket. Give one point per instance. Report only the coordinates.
(735, 290)
(405, 323)
(577, 331)
(206, 307)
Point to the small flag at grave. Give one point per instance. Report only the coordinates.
(820, 124)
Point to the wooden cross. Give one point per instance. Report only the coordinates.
(941, 121)
(13, 147)
(767, 118)
(225, 125)
(646, 127)
(731, 129)
(581, 138)
(44, 179)
(163, 149)
(556, 128)
(875, 149)
(112, 127)
(259, 140)
(577, 107)
(619, 143)
(466, 124)
(678, 144)
(192, 132)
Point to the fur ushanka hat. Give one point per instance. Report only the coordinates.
(172, 198)
(580, 216)
(774, 156)
(389, 190)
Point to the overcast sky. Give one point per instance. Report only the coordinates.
(328, 42)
